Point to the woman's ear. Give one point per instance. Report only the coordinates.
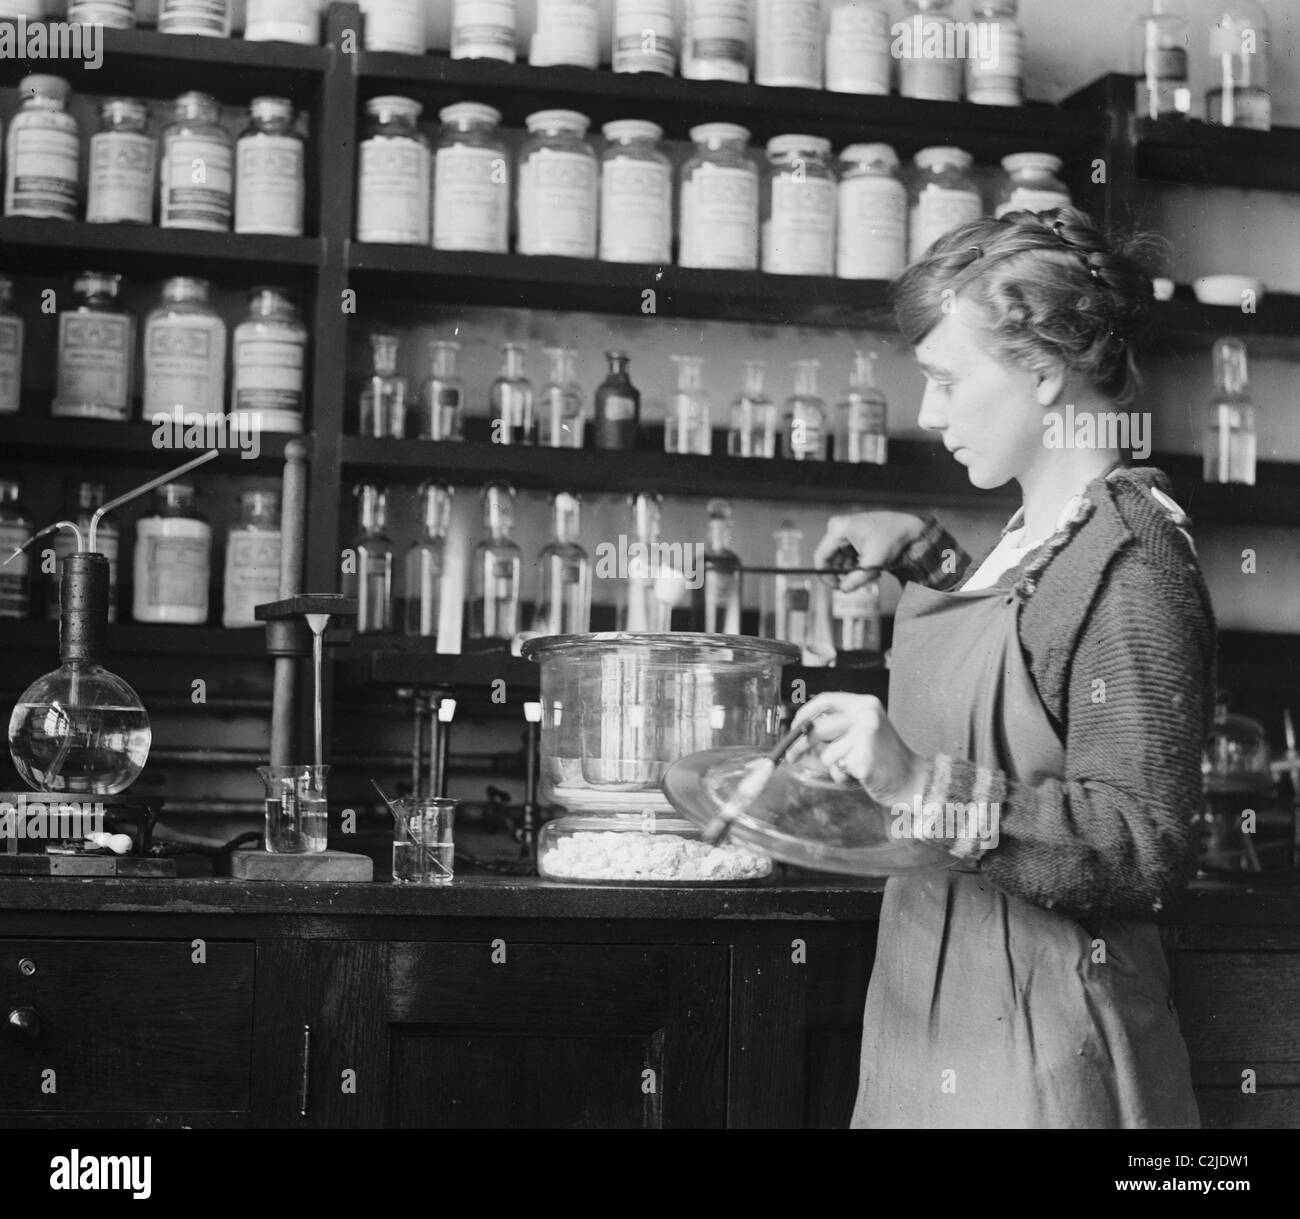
(1051, 384)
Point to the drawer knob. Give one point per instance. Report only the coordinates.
(27, 967)
(25, 1024)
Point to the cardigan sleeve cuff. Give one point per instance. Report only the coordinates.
(934, 559)
(965, 801)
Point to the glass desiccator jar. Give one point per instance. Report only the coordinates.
(563, 573)
(719, 200)
(688, 427)
(269, 357)
(636, 194)
(368, 570)
(471, 181)
(799, 207)
(269, 183)
(561, 419)
(753, 417)
(995, 67)
(15, 530)
(495, 569)
(11, 350)
(184, 352)
(618, 405)
(199, 18)
(944, 195)
(426, 562)
(393, 192)
(383, 400)
(123, 165)
(805, 415)
(871, 214)
(715, 39)
(788, 43)
(645, 36)
(484, 29)
(198, 167)
(558, 186)
(567, 34)
(442, 394)
(81, 500)
(1032, 184)
(173, 557)
(252, 575)
(96, 352)
(858, 58)
(42, 153)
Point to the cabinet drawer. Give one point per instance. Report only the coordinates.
(125, 1026)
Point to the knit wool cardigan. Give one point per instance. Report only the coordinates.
(1117, 629)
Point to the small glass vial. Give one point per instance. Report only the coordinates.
(719, 200)
(426, 562)
(563, 574)
(944, 195)
(715, 40)
(197, 18)
(688, 427)
(442, 394)
(871, 214)
(81, 501)
(123, 165)
(1032, 184)
(799, 207)
(283, 21)
(1239, 47)
(805, 415)
(788, 44)
(15, 530)
(471, 181)
(856, 618)
(252, 575)
(995, 66)
(753, 417)
(862, 436)
(393, 195)
(368, 570)
(791, 594)
(484, 29)
(42, 155)
(396, 26)
(927, 24)
(514, 418)
(173, 559)
(558, 186)
(96, 352)
(645, 36)
(198, 167)
(636, 194)
(1230, 422)
(496, 567)
(1161, 38)
(184, 352)
(858, 58)
(383, 401)
(269, 185)
(567, 35)
(618, 406)
(717, 600)
(11, 350)
(561, 419)
(111, 14)
(270, 353)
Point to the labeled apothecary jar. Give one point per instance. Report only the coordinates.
(269, 186)
(558, 186)
(871, 214)
(123, 165)
(96, 352)
(269, 355)
(173, 557)
(636, 194)
(184, 352)
(395, 166)
(42, 153)
(798, 207)
(195, 136)
(471, 181)
(944, 195)
(1032, 184)
(719, 200)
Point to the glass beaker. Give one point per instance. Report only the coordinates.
(297, 812)
(424, 846)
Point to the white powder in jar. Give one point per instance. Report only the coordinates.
(629, 855)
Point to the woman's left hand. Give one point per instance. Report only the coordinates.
(854, 738)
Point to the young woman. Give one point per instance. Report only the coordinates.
(1065, 684)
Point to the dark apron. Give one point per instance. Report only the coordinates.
(984, 1010)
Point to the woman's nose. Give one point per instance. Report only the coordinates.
(930, 417)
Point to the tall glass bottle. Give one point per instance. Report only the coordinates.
(11, 350)
(369, 575)
(1239, 47)
(561, 422)
(564, 574)
(383, 400)
(425, 562)
(753, 417)
(442, 394)
(1160, 63)
(618, 406)
(717, 601)
(995, 70)
(640, 610)
(1230, 424)
(15, 530)
(496, 566)
(252, 575)
(856, 618)
(805, 415)
(689, 425)
(791, 594)
(861, 435)
(513, 417)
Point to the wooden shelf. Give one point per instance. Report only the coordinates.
(143, 639)
(1199, 154)
(1185, 322)
(1273, 501)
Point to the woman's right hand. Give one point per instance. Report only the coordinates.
(878, 537)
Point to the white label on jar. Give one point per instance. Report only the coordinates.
(11, 364)
(557, 204)
(999, 79)
(925, 76)
(716, 46)
(123, 165)
(394, 25)
(42, 173)
(471, 199)
(720, 218)
(268, 374)
(635, 211)
(939, 211)
(252, 575)
(619, 409)
(94, 370)
(283, 21)
(197, 183)
(210, 18)
(116, 14)
(393, 202)
(184, 365)
(172, 558)
(872, 228)
(858, 58)
(567, 33)
(807, 437)
(789, 50)
(799, 239)
(269, 185)
(645, 36)
(1024, 199)
(483, 29)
